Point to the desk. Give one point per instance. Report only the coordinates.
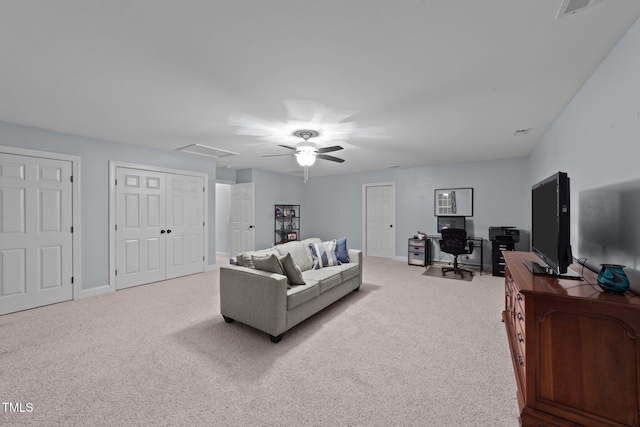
(477, 242)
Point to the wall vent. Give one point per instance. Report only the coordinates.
(205, 150)
(571, 7)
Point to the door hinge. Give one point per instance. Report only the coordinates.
(203, 189)
(203, 258)
(116, 182)
(72, 280)
(71, 230)
(116, 272)
(203, 223)
(71, 177)
(116, 227)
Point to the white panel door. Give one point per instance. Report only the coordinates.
(242, 228)
(140, 221)
(36, 245)
(380, 220)
(184, 225)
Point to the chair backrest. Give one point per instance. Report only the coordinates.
(454, 241)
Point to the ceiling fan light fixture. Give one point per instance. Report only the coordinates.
(306, 156)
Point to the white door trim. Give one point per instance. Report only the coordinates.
(112, 210)
(364, 213)
(75, 208)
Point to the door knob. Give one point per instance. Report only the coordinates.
(162, 231)
(251, 226)
(391, 225)
(168, 231)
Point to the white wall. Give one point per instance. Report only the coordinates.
(333, 205)
(596, 139)
(270, 189)
(94, 186)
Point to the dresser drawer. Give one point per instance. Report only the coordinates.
(416, 249)
(416, 258)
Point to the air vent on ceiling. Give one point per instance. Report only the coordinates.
(205, 150)
(570, 7)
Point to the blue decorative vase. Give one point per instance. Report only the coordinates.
(612, 278)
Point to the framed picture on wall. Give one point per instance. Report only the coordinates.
(453, 202)
(292, 236)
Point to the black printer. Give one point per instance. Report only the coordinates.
(502, 234)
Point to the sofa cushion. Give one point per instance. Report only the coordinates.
(328, 277)
(302, 293)
(244, 259)
(349, 271)
(291, 269)
(300, 254)
(341, 250)
(323, 254)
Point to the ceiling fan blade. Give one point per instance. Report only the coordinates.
(286, 146)
(330, 149)
(278, 155)
(330, 158)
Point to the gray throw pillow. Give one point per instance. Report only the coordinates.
(268, 263)
(291, 270)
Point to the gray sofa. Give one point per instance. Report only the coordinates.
(269, 302)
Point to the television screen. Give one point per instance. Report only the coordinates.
(451, 222)
(550, 216)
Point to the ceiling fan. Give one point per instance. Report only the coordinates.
(307, 151)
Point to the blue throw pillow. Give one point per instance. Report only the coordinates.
(324, 254)
(341, 250)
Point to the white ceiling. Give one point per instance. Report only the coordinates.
(424, 82)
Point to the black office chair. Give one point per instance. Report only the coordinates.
(454, 242)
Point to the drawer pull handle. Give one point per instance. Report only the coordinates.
(520, 361)
(519, 297)
(520, 317)
(520, 339)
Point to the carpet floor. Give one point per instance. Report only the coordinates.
(406, 350)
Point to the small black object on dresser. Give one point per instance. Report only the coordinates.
(502, 239)
(418, 251)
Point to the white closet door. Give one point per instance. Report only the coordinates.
(380, 205)
(36, 245)
(242, 229)
(184, 225)
(140, 220)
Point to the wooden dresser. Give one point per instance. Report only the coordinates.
(575, 349)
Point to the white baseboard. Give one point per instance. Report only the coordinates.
(92, 292)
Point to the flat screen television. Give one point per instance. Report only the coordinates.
(550, 222)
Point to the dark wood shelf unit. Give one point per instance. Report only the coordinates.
(287, 223)
(575, 349)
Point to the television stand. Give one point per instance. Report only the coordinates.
(536, 268)
(575, 351)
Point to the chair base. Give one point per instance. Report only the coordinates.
(456, 269)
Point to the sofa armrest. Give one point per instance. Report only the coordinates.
(355, 255)
(254, 297)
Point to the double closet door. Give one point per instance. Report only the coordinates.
(159, 226)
